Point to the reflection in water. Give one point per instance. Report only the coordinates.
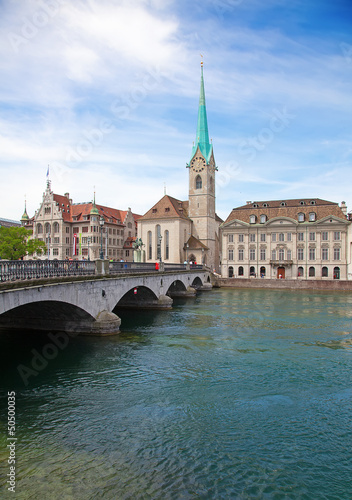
(234, 394)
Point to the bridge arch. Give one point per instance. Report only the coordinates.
(88, 305)
(137, 297)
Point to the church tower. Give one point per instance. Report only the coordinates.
(202, 168)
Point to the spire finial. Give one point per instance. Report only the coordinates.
(201, 61)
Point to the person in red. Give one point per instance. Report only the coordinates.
(156, 266)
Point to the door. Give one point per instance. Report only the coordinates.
(281, 272)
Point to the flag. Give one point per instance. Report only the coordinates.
(47, 172)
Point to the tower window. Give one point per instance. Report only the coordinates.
(198, 182)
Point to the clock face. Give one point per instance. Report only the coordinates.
(198, 163)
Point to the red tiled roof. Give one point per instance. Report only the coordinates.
(168, 208)
(286, 208)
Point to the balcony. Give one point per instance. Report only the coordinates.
(281, 262)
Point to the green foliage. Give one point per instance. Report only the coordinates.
(15, 243)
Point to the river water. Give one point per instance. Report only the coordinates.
(237, 394)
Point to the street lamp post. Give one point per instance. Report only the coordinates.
(160, 237)
(48, 241)
(88, 241)
(101, 222)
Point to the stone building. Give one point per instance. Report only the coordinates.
(174, 230)
(74, 230)
(295, 239)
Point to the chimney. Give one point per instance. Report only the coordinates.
(343, 207)
(248, 202)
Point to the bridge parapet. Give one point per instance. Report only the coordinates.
(15, 270)
(22, 270)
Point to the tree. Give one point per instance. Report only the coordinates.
(15, 243)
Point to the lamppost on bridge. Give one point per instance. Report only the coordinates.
(101, 222)
(48, 242)
(88, 241)
(159, 245)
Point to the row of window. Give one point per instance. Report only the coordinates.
(300, 272)
(285, 236)
(301, 217)
(280, 254)
(85, 229)
(283, 204)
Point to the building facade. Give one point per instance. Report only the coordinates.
(81, 230)
(177, 231)
(295, 239)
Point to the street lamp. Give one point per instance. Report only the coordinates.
(48, 241)
(160, 238)
(101, 222)
(88, 241)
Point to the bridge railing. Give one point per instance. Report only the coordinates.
(13, 270)
(142, 267)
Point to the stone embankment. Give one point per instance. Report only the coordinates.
(340, 285)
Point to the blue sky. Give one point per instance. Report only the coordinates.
(106, 92)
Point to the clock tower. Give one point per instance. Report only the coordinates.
(202, 168)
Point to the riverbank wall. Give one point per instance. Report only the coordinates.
(338, 285)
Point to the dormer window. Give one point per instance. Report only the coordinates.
(283, 204)
(255, 205)
(312, 202)
(301, 217)
(154, 211)
(265, 205)
(312, 216)
(262, 219)
(252, 219)
(302, 202)
(167, 209)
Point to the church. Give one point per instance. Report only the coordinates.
(177, 231)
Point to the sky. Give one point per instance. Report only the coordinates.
(106, 93)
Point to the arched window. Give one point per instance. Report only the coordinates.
(311, 272)
(324, 272)
(150, 246)
(56, 227)
(39, 229)
(262, 272)
(336, 273)
(300, 272)
(47, 229)
(252, 219)
(211, 183)
(252, 271)
(312, 216)
(198, 182)
(240, 271)
(167, 247)
(262, 219)
(230, 272)
(158, 241)
(301, 217)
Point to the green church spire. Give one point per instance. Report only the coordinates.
(202, 139)
(25, 218)
(94, 210)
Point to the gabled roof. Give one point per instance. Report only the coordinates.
(167, 208)
(194, 244)
(286, 208)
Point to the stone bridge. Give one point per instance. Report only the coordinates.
(90, 306)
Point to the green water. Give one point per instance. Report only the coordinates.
(237, 394)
